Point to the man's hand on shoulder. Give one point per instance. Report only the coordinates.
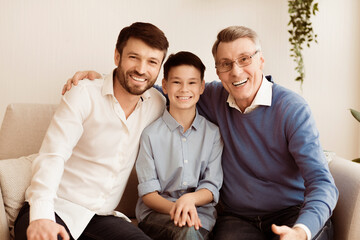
(79, 76)
(45, 229)
(287, 233)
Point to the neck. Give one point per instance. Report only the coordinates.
(184, 117)
(243, 104)
(126, 100)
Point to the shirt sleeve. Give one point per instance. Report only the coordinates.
(212, 178)
(62, 135)
(321, 193)
(145, 168)
(306, 229)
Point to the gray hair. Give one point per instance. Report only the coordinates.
(232, 33)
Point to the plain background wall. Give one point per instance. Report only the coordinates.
(44, 42)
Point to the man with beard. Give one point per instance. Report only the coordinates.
(91, 145)
(277, 184)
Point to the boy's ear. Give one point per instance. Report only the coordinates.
(202, 86)
(164, 86)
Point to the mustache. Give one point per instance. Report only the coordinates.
(137, 73)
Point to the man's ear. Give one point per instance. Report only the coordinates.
(262, 61)
(117, 57)
(164, 82)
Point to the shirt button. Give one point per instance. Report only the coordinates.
(183, 139)
(185, 161)
(184, 183)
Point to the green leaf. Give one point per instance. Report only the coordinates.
(357, 160)
(355, 113)
(301, 30)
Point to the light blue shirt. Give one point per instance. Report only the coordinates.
(175, 163)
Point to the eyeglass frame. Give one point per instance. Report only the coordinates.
(236, 61)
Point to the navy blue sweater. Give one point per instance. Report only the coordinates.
(272, 157)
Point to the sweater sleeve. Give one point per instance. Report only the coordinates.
(321, 193)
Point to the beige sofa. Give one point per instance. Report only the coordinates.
(23, 129)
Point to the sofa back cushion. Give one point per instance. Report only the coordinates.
(23, 128)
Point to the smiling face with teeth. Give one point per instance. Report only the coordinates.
(241, 82)
(183, 87)
(138, 66)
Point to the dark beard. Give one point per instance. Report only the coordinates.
(120, 76)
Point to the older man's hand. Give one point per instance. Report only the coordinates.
(287, 233)
(79, 76)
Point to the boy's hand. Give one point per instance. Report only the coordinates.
(79, 76)
(184, 212)
(287, 233)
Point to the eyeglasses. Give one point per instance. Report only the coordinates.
(242, 61)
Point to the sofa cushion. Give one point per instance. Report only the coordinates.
(15, 177)
(23, 128)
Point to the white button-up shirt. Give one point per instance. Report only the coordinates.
(88, 153)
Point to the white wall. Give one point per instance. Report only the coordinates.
(43, 43)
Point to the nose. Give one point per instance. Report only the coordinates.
(236, 70)
(184, 87)
(141, 67)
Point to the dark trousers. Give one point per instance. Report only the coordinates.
(160, 227)
(234, 227)
(99, 227)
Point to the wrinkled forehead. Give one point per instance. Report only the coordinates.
(235, 48)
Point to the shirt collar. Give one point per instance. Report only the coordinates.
(262, 98)
(173, 124)
(108, 87)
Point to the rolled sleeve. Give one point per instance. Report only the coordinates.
(148, 187)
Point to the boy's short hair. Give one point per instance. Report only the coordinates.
(183, 58)
(146, 32)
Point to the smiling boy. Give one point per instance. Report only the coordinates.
(179, 161)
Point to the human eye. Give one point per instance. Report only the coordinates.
(153, 62)
(243, 59)
(175, 82)
(225, 64)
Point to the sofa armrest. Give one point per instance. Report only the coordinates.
(346, 217)
(4, 226)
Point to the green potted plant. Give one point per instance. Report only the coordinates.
(356, 115)
(301, 31)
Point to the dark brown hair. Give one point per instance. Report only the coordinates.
(147, 32)
(183, 58)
